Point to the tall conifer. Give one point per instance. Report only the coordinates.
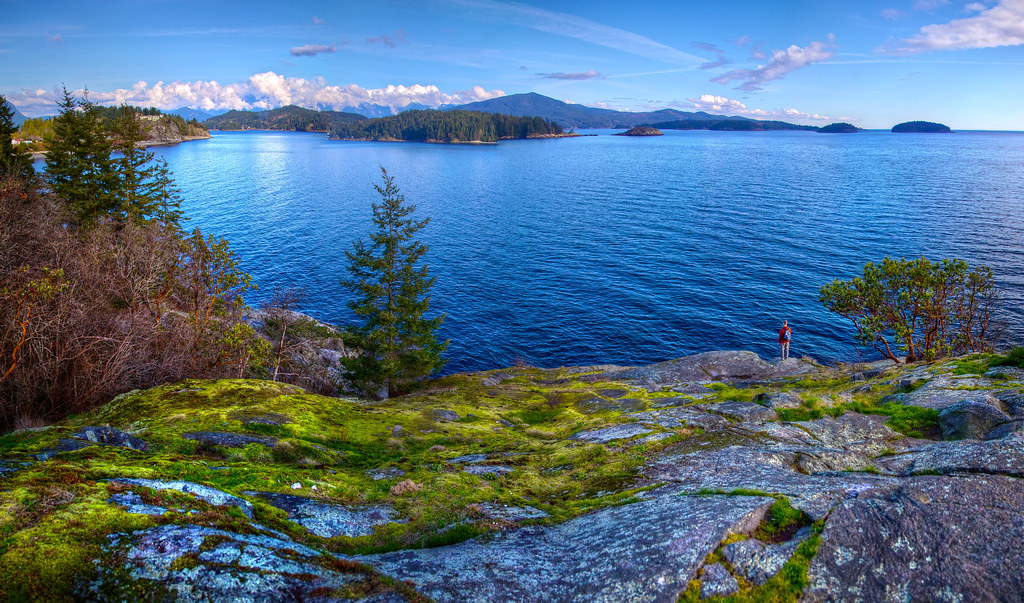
(13, 160)
(79, 168)
(392, 296)
(145, 187)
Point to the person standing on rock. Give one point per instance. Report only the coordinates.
(785, 334)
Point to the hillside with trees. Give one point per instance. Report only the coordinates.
(570, 115)
(449, 127)
(157, 127)
(289, 118)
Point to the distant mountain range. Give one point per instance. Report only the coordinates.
(521, 105)
(581, 116)
(18, 117)
(188, 113)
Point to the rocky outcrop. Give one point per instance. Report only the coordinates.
(194, 563)
(971, 419)
(646, 551)
(707, 367)
(926, 538)
(208, 494)
(329, 520)
(650, 486)
(758, 562)
(165, 130)
(103, 435)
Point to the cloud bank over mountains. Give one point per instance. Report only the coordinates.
(1000, 25)
(720, 104)
(261, 91)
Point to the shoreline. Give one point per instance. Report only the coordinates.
(35, 155)
(468, 142)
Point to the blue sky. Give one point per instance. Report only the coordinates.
(874, 63)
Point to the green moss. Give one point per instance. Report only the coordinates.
(725, 392)
(537, 416)
(785, 587)
(912, 421)
(781, 522)
(1014, 357)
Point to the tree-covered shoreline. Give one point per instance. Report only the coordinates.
(449, 127)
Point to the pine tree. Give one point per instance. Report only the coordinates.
(145, 187)
(79, 168)
(392, 296)
(13, 160)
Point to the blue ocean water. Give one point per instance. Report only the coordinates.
(609, 249)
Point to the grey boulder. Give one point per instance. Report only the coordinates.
(970, 419)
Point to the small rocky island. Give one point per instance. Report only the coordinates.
(840, 127)
(921, 127)
(641, 131)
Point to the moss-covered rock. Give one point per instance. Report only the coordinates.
(252, 487)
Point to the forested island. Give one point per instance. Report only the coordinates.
(289, 118)
(448, 127)
(921, 127)
(641, 131)
(840, 127)
(731, 125)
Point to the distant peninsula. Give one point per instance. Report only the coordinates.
(840, 127)
(641, 131)
(921, 127)
(453, 127)
(731, 125)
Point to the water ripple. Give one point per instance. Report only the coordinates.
(606, 249)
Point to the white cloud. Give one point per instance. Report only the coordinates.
(781, 64)
(55, 38)
(890, 14)
(1001, 25)
(261, 91)
(312, 49)
(318, 20)
(975, 7)
(720, 104)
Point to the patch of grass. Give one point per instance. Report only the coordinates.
(725, 392)
(781, 522)
(785, 587)
(1014, 357)
(911, 421)
(972, 365)
(453, 535)
(536, 416)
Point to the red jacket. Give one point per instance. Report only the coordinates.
(782, 332)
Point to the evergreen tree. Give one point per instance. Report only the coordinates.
(392, 296)
(79, 168)
(13, 160)
(146, 189)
